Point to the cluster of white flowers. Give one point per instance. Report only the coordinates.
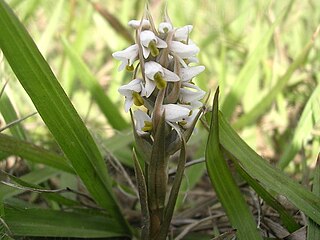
(167, 60)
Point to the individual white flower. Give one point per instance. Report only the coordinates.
(136, 23)
(131, 91)
(175, 113)
(182, 34)
(183, 50)
(150, 43)
(127, 56)
(189, 120)
(190, 93)
(188, 73)
(156, 75)
(143, 122)
(165, 27)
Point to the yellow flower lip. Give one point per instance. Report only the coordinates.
(129, 68)
(153, 48)
(160, 82)
(137, 99)
(147, 126)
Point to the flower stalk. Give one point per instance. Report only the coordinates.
(167, 106)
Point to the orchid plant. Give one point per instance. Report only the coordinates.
(167, 107)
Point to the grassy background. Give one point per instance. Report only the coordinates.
(254, 50)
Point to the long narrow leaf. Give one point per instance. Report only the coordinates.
(9, 114)
(309, 118)
(45, 222)
(35, 177)
(143, 197)
(227, 190)
(169, 209)
(287, 220)
(56, 109)
(314, 228)
(270, 177)
(33, 153)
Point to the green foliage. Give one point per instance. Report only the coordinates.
(263, 55)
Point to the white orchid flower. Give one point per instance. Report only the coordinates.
(190, 93)
(127, 56)
(143, 122)
(136, 23)
(182, 34)
(175, 113)
(131, 91)
(183, 50)
(188, 73)
(165, 27)
(156, 75)
(150, 43)
(189, 120)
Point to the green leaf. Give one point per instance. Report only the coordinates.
(13, 146)
(56, 110)
(169, 209)
(143, 197)
(313, 227)
(9, 114)
(36, 176)
(108, 108)
(157, 178)
(226, 188)
(270, 177)
(50, 223)
(287, 220)
(309, 118)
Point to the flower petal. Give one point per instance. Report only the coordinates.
(183, 50)
(170, 76)
(190, 72)
(128, 103)
(135, 85)
(190, 93)
(165, 27)
(146, 37)
(141, 117)
(127, 56)
(149, 88)
(136, 23)
(182, 34)
(151, 68)
(175, 113)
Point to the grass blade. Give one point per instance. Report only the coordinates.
(169, 209)
(45, 222)
(309, 118)
(9, 114)
(287, 220)
(143, 197)
(56, 110)
(108, 108)
(13, 146)
(270, 177)
(35, 177)
(314, 228)
(157, 178)
(227, 190)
